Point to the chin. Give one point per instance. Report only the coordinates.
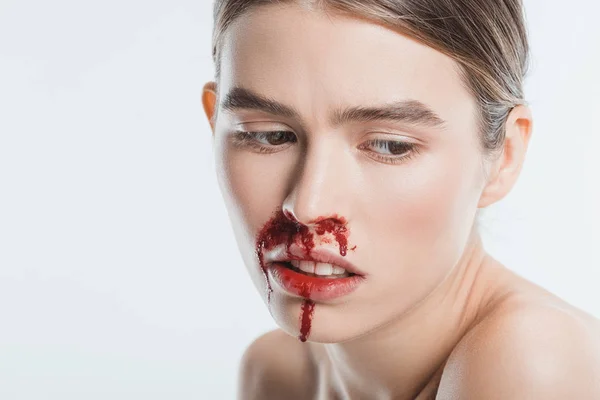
(330, 323)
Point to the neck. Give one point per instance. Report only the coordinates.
(400, 359)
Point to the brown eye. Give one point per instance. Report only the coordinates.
(396, 148)
(390, 147)
(390, 151)
(264, 141)
(276, 138)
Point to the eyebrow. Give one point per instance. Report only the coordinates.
(406, 111)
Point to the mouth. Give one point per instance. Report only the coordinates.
(310, 285)
(317, 261)
(317, 270)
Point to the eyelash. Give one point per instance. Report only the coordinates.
(246, 138)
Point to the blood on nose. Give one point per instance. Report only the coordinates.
(283, 228)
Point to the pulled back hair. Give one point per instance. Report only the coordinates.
(487, 39)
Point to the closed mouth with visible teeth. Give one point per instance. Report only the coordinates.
(318, 269)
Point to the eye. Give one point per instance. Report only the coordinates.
(264, 141)
(394, 151)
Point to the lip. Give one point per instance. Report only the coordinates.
(323, 255)
(310, 287)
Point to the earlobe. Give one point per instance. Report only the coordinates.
(209, 101)
(507, 167)
(493, 185)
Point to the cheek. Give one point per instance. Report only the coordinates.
(424, 208)
(253, 184)
(418, 227)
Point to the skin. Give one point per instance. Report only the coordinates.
(437, 317)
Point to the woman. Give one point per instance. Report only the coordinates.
(356, 142)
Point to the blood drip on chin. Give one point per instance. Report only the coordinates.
(308, 308)
(283, 229)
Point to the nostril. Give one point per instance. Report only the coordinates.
(288, 214)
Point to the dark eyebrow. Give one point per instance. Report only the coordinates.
(240, 98)
(407, 111)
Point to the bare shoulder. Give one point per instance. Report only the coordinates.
(527, 348)
(275, 365)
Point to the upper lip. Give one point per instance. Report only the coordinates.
(317, 255)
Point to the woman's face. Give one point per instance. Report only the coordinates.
(405, 180)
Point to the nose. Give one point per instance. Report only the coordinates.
(321, 190)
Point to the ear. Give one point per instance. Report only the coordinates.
(505, 170)
(209, 101)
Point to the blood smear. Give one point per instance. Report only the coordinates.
(281, 229)
(308, 309)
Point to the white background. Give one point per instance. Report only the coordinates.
(119, 274)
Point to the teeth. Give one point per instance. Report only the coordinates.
(323, 269)
(307, 266)
(338, 270)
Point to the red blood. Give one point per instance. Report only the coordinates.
(308, 308)
(283, 228)
(276, 231)
(337, 227)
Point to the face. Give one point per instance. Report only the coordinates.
(365, 131)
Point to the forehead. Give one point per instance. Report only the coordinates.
(317, 62)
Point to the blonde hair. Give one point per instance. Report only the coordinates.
(487, 39)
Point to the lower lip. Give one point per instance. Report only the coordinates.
(310, 287)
